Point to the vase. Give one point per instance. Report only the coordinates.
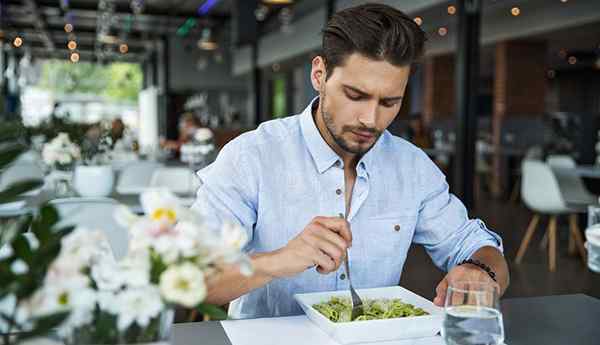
(93, 181)
(104, 331)
(60, 181)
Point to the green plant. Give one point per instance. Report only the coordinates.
(24, 260)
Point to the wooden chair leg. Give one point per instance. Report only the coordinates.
(577, 238)
(527, 238)
(552, 244)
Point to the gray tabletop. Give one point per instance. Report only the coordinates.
(590, 171)
(567, 319)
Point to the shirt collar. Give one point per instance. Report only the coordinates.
(322, 154)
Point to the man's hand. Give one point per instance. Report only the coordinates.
(322, 243)
(466, 272)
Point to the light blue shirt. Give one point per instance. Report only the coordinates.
(276, 179)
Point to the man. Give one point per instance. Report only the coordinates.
(309, 187)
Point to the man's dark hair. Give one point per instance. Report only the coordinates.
(377, 31)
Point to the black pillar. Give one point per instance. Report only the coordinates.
(330, 9)
(257, 81)
(467, 79)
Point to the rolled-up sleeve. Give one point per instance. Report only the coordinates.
(443, 225)
(228, 190)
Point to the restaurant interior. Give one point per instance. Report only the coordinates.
(103, 102)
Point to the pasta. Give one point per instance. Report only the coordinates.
(340, 309)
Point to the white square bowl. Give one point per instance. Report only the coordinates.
(375, 330)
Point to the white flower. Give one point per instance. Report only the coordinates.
(19, 267)
(135, 269)
(6, 251)
(138, 305)
(107, 275)
(183, 285)
(74, 296)
(60, 150)
(84, 247)
(125, 217)
(107, 301)
(161, 205)
(203, 134)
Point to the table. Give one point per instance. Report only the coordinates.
(590, 171)
(550, 320)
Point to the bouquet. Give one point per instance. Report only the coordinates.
(199, 148)
(171, 256)
(60, 152)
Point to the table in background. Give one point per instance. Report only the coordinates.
(551, 320)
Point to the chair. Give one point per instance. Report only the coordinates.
(541, 193)
(136, 177)
(534, 153)
(20, 172)
(570, 183)
(95, 214)
(178, 180)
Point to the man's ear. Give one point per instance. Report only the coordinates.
(318, 73)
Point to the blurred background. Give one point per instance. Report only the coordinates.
(524, 86)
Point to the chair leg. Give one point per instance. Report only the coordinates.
(527, 238)
(552, 244)
(577, 238)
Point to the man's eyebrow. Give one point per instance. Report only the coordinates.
(365, 94)
(359, 91)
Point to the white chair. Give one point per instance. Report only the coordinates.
(570, 183)
(136, 177)
(176, 179)
(95, 214)
(20, 172)
(541, 193)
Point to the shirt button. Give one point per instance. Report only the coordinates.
(338, 191)
(397, 227)
(342, 276)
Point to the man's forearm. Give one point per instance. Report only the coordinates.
(493, 257)
(231, 284)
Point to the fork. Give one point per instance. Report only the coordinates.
(357, 303)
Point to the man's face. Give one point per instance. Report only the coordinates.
(359, 100)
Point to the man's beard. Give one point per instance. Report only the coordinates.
(339, 139)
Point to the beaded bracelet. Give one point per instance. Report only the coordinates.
(481, 265)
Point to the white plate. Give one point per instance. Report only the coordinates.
(375, 330)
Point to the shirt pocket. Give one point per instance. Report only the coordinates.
(388, 235)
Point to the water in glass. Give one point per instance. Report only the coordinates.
(472, 315)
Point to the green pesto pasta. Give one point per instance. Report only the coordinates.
(340, 309)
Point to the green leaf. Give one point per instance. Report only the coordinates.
(44, 325)
(9, 153)
(14, 190)
(214, 311)
(22, 249)
(49, 214)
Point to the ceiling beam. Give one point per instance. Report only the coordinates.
(39, 22)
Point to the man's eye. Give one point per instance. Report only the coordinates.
(389, 104)
(353, 97)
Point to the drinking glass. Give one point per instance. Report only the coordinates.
(472, 314)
